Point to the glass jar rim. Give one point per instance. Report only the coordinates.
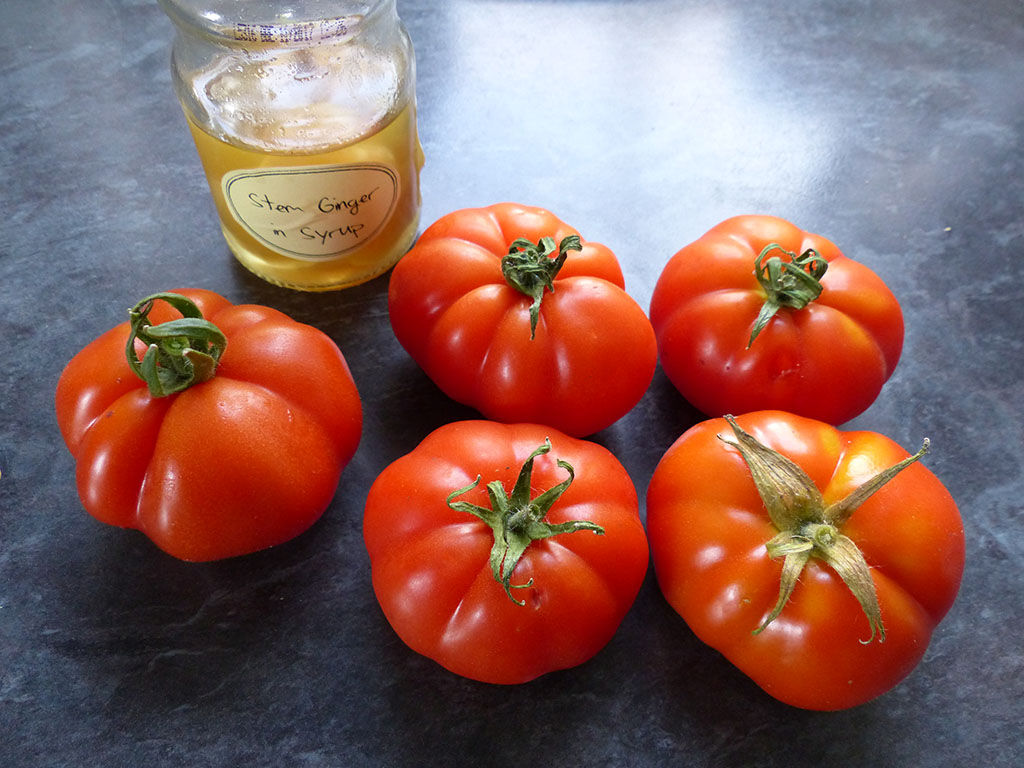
(272, 23)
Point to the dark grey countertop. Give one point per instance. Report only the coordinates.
(893, 127)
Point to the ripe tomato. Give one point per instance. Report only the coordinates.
(484, 555)
(244, 460)
(504, 324)
(741, 324)
(871, 547)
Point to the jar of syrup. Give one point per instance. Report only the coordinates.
(304, 116)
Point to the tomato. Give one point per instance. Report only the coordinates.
(819, 562)
(504, 324)
(230, 449)
(505, 551)
(758, 314)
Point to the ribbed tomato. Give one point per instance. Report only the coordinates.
(228, 436)
(759, 314)
(509, 311)
(817, 561)
(505, 551)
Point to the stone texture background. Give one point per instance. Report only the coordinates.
(893, 127)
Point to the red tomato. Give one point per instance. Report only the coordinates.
(824, 355)
(245, 460)
(436, 525)
(870, 574)
(456, 309)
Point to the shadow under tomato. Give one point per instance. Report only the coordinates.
(152, 634)
(720, 711)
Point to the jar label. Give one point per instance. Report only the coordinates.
(312, 213)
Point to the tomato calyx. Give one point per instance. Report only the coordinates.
(529, 268)
(517, 520)
(179, 353)
(808, 528)
(794, 283)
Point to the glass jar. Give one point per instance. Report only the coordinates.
(304, 117)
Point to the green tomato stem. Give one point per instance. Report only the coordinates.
(530, 269)
(517, 520)
(794, 283)
(807, 528)
(179, 353)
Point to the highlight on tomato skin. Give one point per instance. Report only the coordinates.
(759, 314)
(505, 551)
(817, 561)
(215, 429)
(510, 311)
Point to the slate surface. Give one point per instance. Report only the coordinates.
(892, 127)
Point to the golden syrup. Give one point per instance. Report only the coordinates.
(322, 220)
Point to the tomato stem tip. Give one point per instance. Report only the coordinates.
(179, 353)
(530, 269)
(517, 520)
(792, 283)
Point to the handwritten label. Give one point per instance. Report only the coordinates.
(312, 212)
